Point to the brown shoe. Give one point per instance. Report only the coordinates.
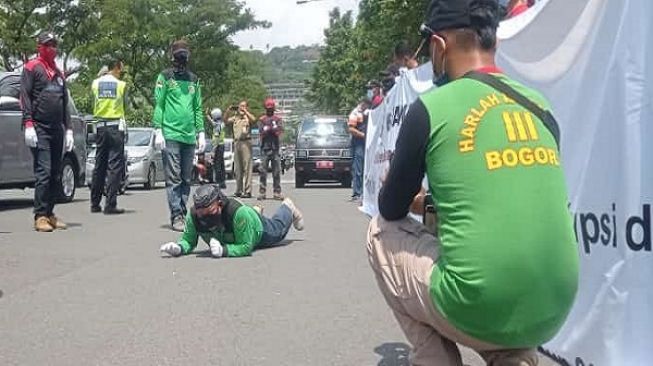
(56, 223)
(42, 224)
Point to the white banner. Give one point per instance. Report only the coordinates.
(593, 59)
(383, 128)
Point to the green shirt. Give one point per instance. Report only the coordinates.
(241, 242)
(508, 267)
(178, 108)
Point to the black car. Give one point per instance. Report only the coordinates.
(323, 151)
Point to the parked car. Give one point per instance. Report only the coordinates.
(323, 151)
(16, 162)
(144, 160)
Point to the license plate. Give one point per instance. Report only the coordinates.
(324, 164)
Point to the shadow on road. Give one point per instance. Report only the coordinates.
(15, 204)
(394, 354)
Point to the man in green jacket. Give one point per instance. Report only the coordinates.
(230, 228)
(178, 118)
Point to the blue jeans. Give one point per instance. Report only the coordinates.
(178, 166)
(358, 154)
(276, 228)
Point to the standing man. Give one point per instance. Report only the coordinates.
(242, 123)
(502, 274)
(44, 102)
(178, 119)
(110, 96)
(358, 130)
(218, 142)
(270, 127)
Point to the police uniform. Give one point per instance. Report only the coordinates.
(109, 112)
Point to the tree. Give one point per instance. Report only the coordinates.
(356, 54)
(335, 78)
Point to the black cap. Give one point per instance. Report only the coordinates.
(45, 37)
(455, 14)
(207, 194)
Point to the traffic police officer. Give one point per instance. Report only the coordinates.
(110, 96)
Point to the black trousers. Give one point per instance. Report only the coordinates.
(218, 164)
(109, 165)
(48, 155)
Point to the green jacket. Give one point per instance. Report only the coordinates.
(239, 231)
(178, 106)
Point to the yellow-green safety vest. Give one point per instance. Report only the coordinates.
(109, 96)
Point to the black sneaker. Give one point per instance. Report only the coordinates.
(113, 211)
(238, 194)
(247, 195)
(96, 209)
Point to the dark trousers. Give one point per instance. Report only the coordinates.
(357, 166)
(178, 166)
(109, 165)
(218, 164)
(270, 156)
(48, 155)
(276, 228)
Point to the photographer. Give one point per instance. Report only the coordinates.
(502, 274)
(242, 121)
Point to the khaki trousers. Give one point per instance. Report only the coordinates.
(243, 166)
(402, 254)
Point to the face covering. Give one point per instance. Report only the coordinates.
(47, 53)
(180, 59)
(370, 94)
(211, 222)
(269, 112)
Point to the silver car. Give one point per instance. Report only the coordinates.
(144, 160)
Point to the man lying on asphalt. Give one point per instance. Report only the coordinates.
(230, 228)
(502, 274)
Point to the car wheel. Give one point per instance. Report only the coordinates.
(346, 182)
(68, 180)
(300, 182)
(151, 178)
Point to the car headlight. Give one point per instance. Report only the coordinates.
(346, 153)
(136, 159)
(301, 153)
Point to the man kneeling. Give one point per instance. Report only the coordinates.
(230, 228)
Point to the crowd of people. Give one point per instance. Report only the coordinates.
(229, 227)
(500, 274)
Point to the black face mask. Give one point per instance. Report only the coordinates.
(211, 222)
(269, 112)
(180, 59)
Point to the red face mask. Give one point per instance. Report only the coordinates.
(48, 53)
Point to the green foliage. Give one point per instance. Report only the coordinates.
(286, 64)
(139, 32)
(356, 54)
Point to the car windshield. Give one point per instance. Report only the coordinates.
(139, 138)
(324, 127)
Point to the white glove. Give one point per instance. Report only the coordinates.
(171, 248)
(70, 140)
(159, 140)
(31, 140)
(201, 143)
(216, 248)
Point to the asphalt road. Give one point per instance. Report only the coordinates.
(100, 293)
